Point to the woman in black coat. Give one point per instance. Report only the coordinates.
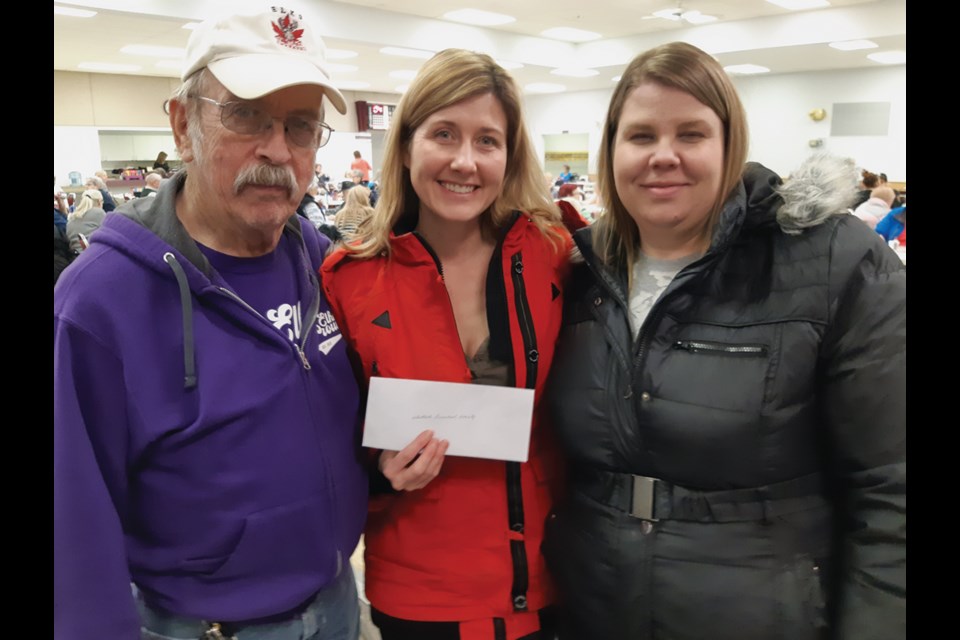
(728, 386)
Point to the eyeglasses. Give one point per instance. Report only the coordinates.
(249, 119)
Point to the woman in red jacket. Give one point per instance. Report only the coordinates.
(457, 277)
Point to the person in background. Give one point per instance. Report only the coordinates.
(729, 385)
(311, 207)
(897, 200)
(868, 182)
(95, 182)
(569, 204)
(161, 163)
(893, 224)
(322, 178)
(361, 165)
(873, 210)
(565, 175)
(355, 211)
(152, 181)
(458, 277)
(206, 416)
(85, 218)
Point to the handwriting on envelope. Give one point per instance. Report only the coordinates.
(480, 421)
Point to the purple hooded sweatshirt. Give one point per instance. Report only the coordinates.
(198, 451)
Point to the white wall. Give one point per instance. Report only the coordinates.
(777, 108)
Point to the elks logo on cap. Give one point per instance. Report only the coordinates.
(287, 28)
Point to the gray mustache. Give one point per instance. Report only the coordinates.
(266, 175)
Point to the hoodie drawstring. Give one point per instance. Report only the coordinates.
(186, 305)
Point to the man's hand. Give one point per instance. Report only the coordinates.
(414, 466)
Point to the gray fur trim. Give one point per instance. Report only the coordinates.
(823, 186)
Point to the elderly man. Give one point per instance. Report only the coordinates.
(206, 421)
(96, 182)
(153, 181)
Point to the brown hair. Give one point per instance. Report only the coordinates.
(870, 180)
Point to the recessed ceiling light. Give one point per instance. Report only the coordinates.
(190, 26)
(335, 67)
(151, 50)
(889, 57)
(745, 69)
(615, 78)
(341, 54)
(575, 73)
(353, 84)
(507, 64)
(73, 13)
(570, 35)
(478, 17)
(853, 45)
(544, 87)
(407, 53)
(402, 88)
(797, 5)
(168, 64)
(403, 74)
(106, 66)
(695, 17)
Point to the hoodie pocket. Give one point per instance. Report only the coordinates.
(295, 539)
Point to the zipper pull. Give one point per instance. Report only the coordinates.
(303, 358)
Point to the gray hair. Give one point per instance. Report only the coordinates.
(95, 180)
(823, 185)
(192, 86)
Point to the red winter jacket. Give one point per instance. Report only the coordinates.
(466, 546)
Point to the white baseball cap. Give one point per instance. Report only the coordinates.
(255, 54)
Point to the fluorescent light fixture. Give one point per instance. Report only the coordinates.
(402, 88)
(403, 74)
(575, 73)
(507, 64)
(695, 17)
(154, 51)
(853, 45)
(570, 35)
(341, 54)
(615, 79)
(73, 13)
(797, 5)
(353, 84)
(544, 87)
(668, 14)
(478, 17)
(168, 64)
(407, 53)
(190, 26)
(106, 66)
(889, 57)
(335, 67)
(745, 69)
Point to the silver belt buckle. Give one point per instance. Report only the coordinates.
(643, 501)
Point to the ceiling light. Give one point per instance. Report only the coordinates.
(106, 66)
(853, 45)
(340, 54)
(507, 64)
(575, 73)
(544, 87)
(797, 5)
(403, 74)
(615, 79)
(478, 17)
(168, 64)
(151, 50)
(889, 57)
(407, 53)
(73, 13)
(190, 26)
(402, 88)
(334, 67)
(695, 17)
(353, 84)
(745, 69)
(570, 35)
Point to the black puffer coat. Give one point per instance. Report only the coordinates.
(765, 393)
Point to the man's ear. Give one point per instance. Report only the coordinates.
(179, 126)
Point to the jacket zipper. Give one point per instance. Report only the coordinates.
(699, 346)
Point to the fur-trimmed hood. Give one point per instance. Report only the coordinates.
(822, 186)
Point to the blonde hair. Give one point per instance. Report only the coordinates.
(449, 77)
(356, 211)
(680, 66)
(88, 200)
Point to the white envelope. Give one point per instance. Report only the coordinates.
(479, 421)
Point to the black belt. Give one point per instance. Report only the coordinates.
(654, 499)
